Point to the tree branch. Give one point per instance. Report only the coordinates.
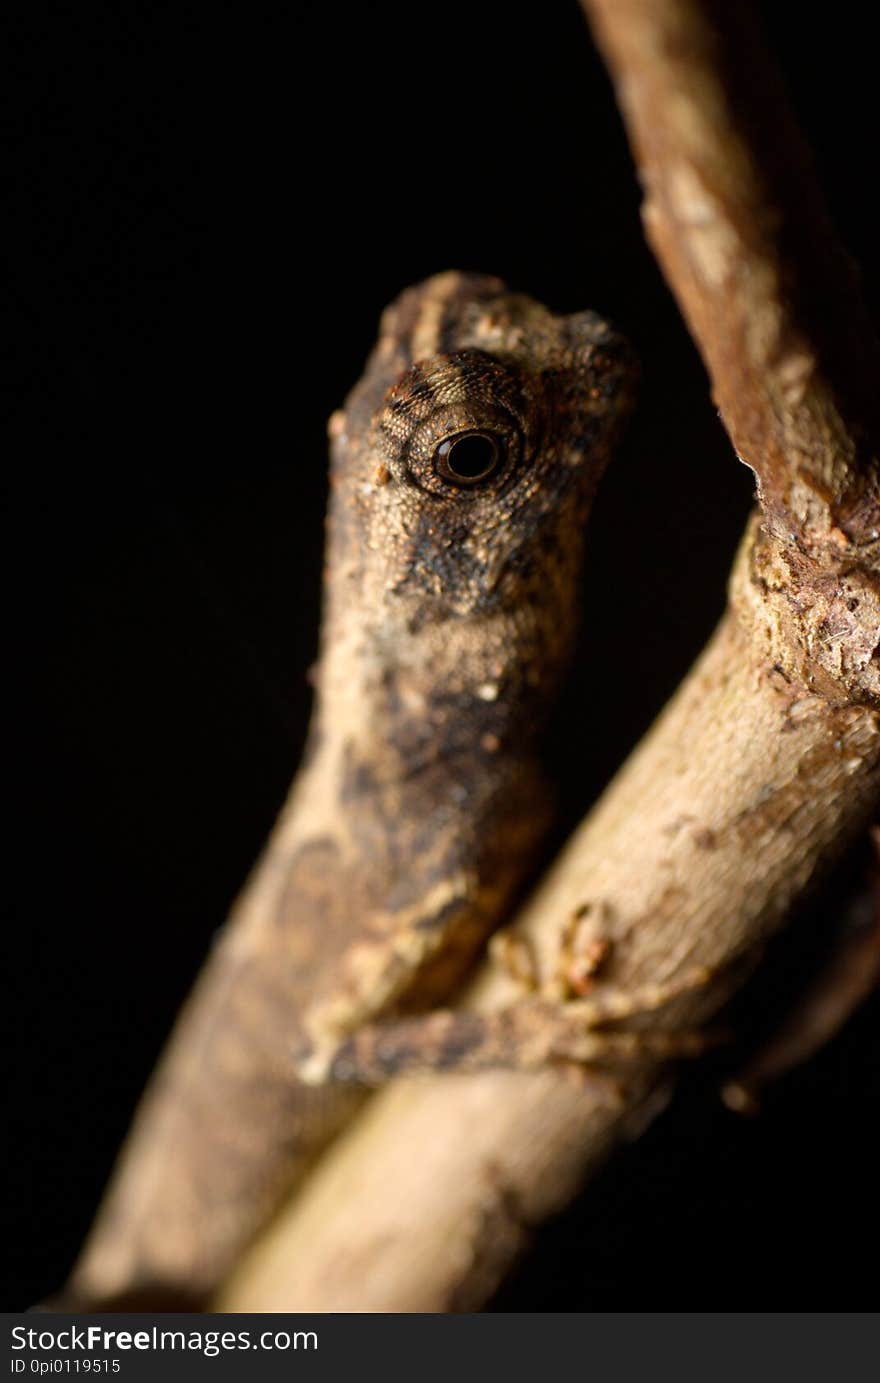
(735, 217)
(761, 769)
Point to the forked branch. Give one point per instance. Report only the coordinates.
(761, 769)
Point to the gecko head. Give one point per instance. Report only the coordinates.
(470, 450)
(466, 459)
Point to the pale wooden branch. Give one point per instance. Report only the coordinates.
(761, 769)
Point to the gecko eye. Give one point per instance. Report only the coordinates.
(468, 458)
(457, 426)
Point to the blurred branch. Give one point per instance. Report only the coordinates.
(849, 976)
(734, 214)
(758, 773)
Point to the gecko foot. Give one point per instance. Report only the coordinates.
(528, 1035)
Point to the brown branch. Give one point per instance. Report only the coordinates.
(764, 765)
(735, 216)
(850, 975)
(733, 213)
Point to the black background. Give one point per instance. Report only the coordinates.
(204, 218)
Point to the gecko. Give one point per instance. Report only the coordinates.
(462, 470)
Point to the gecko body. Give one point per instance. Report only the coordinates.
(462, 470)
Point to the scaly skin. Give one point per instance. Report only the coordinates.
(449, 613)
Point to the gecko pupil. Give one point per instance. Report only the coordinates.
(468, 458)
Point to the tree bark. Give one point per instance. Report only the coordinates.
(765, 764)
